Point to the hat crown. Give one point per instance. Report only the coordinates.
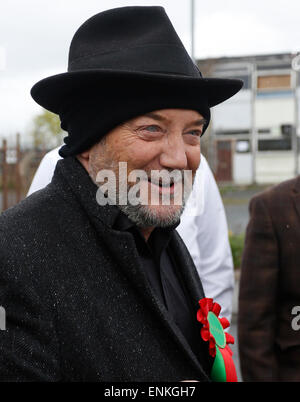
(134, 38)
(130, 50)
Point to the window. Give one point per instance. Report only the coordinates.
(264, 131)
(282, 144)
(242, 147)
(232, 132)
(274, 82)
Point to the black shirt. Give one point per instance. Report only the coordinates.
(164, 277)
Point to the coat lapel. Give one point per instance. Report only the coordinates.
(129, 262)
(188, 270)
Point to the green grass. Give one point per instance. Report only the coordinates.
(234, 201)
(228, 188)
(237, 246)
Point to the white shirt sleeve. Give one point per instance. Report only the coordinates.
(204, 230)
(44, 173)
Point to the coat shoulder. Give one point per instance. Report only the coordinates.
(30, 229)
(30, 213)
(277, 193)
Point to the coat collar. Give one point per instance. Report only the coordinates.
(296, 195)
(72, 180)
(70, 175)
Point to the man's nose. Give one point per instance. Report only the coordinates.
(174, 153)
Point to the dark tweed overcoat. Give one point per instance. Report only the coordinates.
(78, 305)
(270, 287)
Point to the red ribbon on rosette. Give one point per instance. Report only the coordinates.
(212, 331)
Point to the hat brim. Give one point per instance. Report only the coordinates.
(53, 92)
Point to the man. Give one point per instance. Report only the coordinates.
(96, 283)
(269, 307)
(204, 232)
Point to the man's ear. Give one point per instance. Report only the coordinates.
(84, 158)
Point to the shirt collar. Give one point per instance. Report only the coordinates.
(158, 240)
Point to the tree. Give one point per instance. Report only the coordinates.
(46, 132)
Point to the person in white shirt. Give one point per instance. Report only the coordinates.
(204, 230)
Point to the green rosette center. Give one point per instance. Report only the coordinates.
(216, 329)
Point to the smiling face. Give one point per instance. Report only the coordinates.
(163, 140)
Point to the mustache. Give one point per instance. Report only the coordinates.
(165, 177)
(162, 177)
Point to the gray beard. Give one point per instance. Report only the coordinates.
(141, 214)
(144, 217)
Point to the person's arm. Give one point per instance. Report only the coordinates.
(257, 296)
(44, 173)
(205, 234)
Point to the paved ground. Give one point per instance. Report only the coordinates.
(236, 201)
(237, 217)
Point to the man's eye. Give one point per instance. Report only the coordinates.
(196, 133)
(152, 129)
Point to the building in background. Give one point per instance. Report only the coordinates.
(254, 136)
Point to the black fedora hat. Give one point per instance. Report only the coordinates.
(129, 44)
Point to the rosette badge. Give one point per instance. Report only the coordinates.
(212, 331)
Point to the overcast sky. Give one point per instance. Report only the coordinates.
(35, 37)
